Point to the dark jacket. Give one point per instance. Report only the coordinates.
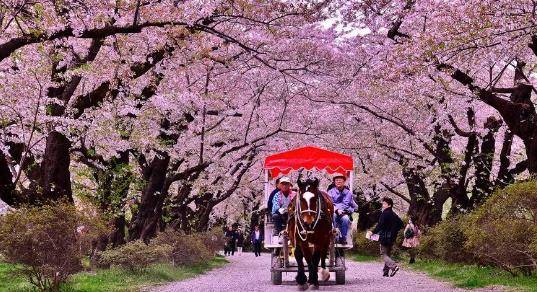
(388, 226)
(271, 197)
(231, 236)
(240, 239)
(261, 236)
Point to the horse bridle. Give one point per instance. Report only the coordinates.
(303, 234)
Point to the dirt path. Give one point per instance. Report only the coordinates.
(247, 273)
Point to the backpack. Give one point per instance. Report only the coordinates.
(409, 233)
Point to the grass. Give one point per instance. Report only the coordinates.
(460, 275)
(114, 279)
(362, 258)
(10, 282)
(472, 276)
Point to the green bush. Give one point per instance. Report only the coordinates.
(446, 241)
(185, 249)
(135, 256)
(365, 246)
(46, 242)
(503, 231)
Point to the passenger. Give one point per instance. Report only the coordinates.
(280, 203)
(272, 194)
(344, 206)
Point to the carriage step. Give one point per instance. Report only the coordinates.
(295, 269)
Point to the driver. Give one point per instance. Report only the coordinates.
(280, 203)
(344, 205)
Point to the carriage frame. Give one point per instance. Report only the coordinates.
(312, 159)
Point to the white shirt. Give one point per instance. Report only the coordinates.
(257, 234)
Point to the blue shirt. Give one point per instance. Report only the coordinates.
(342, 200)
(281, 201)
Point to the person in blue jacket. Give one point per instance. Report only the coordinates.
(272, 194)
(280, 203)
(344, 206)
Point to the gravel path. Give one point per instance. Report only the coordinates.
(247, 273)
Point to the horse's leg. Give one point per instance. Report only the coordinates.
(325, 274)
(301, 278)
(313, 265)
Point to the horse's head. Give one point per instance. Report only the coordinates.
(308, 200)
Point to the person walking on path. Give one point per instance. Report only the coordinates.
(387, 228)
(412, 236)
(240, 241)
(231, 239)
(257, 240)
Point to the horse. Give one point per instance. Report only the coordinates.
(310, 231)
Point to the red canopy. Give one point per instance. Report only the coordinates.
(309, 158)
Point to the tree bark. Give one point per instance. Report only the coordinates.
(117, 236)
(426, 210)
(55, 180)
(7, 188)
(146, 220)
(483, 166)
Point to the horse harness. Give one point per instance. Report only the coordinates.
(300, 229)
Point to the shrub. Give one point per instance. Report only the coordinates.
(185, 249)
(214, 240)
(44, 241)
(135, 256)
(446, 241)
(503, 230)
(365, 246)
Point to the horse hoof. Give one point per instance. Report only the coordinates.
(325, 275)
(303, 287)
(314, 287)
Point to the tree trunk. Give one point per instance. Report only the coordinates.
(531, 153)
(204, 217)
(146, 220)
(483, 167)
(55, 181)
(427, 211)
(504, 177)
(7, 188)
(117, 236)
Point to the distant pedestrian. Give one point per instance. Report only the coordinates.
(240, 241)
(231, 240)
(412, 236)
(387, 228)
(257, 240)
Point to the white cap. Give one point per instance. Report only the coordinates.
(285, 179)
(338, 174)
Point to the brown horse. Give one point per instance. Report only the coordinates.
(310, 231)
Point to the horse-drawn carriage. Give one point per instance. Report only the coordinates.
(310, 159)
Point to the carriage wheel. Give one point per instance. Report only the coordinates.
(276, 261)
(340, 275)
